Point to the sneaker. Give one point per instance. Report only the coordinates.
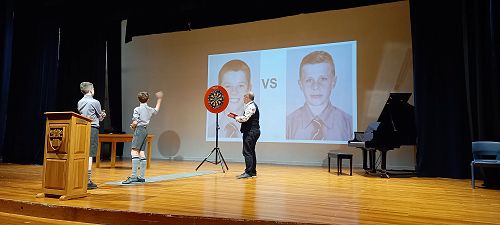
(91, 185)
(130, 180)
(244, 176)
(238, 176)
(141, 180)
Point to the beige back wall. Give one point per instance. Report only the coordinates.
(177, 63)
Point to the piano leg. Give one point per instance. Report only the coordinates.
(383, 165)
(365, 166)
(369, 160)
(373, 155)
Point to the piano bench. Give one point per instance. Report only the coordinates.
(340, 157)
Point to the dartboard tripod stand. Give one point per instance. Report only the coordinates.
(219, 159)
(216, 100)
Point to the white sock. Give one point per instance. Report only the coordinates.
(89, 171)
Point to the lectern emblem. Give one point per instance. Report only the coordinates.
(56, 138)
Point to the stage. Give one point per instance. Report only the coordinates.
(279, 195)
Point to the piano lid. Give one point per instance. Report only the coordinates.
(398, 116)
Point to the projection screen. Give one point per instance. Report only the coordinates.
(305, 94)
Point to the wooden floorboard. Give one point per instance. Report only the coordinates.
(283, 194)
(16, 219)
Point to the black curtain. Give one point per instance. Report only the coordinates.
(32, 84)
(114, 40)
(483, 60)
(52, 52)
(6, 33)
(455, 55)
(83, 58)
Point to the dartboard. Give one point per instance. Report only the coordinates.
(216, 99)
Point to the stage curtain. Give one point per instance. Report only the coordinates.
(455, 55)
(6, 35)
(32, 86)
(53, 51)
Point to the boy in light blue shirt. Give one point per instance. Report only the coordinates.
(140, 120)
(91, 108)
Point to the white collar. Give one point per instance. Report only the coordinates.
(249, 103)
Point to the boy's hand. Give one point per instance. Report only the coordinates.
(103, 114)
(159, 94)
(133, 125)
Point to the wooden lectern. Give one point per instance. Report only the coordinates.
(66, 155)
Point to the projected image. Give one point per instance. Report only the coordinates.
(305, 94)
(318, 118)
(235, 76)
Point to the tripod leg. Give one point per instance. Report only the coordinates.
(218, 159)
(222, 166)
(206, 158)
(223, 161)
(201, 164)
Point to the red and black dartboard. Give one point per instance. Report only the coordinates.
(216, 99)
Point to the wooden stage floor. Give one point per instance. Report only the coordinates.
(279, 195)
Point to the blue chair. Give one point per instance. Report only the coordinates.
(485, 154)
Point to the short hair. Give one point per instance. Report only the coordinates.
(235, 65)
(251, 96)
(143, 96)
(317, 57)
(85, 87)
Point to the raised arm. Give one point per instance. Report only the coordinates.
(159, 96)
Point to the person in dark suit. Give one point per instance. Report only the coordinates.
(250, 129)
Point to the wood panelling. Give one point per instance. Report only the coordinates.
(56, 171)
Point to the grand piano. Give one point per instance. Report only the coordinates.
(394, 127)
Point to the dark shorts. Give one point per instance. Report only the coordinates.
(94, 138)
(139, 139)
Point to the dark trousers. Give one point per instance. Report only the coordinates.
(249, 141)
